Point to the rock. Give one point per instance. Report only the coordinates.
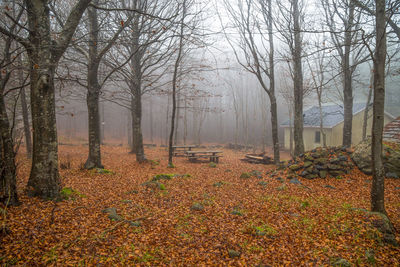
(342, 158)
(341, 263)
(362, 158)
(397, 188)
(336, 173)
(321, 161)
(294, 167)
(334, 161)
(307, 164)
(233, 253)
(197, 207)
(321, 167)
(304, 173)
(309, 157)
(323, 174)
(112, 214)
(135, 223)
(315, 171)
(392, 175)
(237, 212)
(279, 179)
(384, 225)
(256, 173)
(333, 167)
(294, 181)
(263, 183)
(311, 176)
(329, 186)
(245, 175)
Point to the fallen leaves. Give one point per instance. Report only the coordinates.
(301, 224)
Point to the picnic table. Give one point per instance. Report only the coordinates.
(180, 150)
(195, 155)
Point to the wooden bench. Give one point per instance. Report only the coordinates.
(181, 150)
(195, 155)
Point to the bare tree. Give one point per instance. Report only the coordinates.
(379, 58)
(44, 52)
(252, 19)
(344, 21)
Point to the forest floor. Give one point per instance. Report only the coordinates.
(207, 215)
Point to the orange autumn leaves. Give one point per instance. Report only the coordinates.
(263, 219)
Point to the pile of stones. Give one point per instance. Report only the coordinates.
(321, 163)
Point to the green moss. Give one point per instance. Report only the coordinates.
(219, 184)
(245, 175)
(304, 204)
(68, 193)
(171, 165)
(161, 186)
(163, 176)
(281, 188)
(102, 171)
(212, 165)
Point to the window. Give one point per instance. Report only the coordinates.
(317, 137)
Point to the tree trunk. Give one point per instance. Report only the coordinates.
(8, 189)
(174, 82)
(274, 124)
(137, 141)
(298, 83)
(93, 94)
(92, 100)
(44, 180)
(365, 119)
(44, 54)
(347, 80)
(321, 116)
(25, 113)
(274, 108)
(378, 173)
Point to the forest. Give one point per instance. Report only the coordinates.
(200, 133)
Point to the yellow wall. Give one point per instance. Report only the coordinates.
(334, 135)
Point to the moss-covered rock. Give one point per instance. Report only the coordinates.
(245, 175)
(295, 167)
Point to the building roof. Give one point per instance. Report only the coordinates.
(391, 132)
(332, 115)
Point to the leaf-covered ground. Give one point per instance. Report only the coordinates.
(205, 215)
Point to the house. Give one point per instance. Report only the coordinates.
(332, 125)
(391, 132)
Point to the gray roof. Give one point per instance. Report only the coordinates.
(332, 115)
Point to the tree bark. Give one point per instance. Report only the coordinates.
(137, 136)
(378, 173)
(8, 189)
(44, 54)
(44, 180)
(174, 82)
(93, 94)
(274, 106)
(365, 119)
(298, 83)
(347, 80)
(25, 113)
(92, 101)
